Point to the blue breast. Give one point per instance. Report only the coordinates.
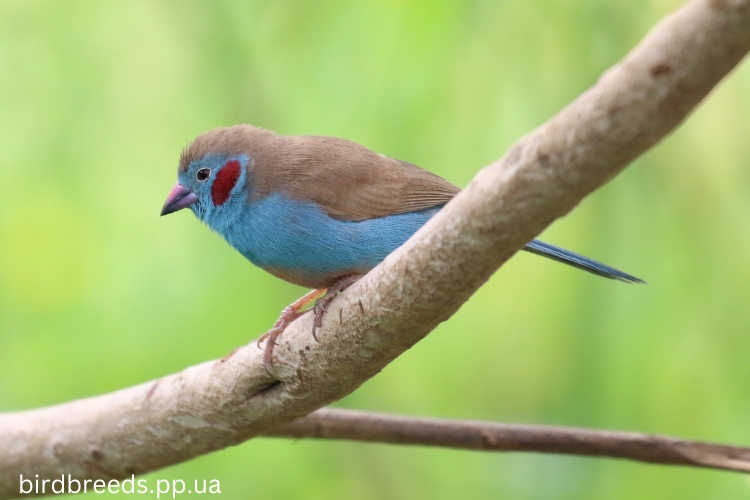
(300, 243)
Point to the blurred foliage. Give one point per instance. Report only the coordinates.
(98, 293)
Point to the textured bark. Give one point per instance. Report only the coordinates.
(221, 403)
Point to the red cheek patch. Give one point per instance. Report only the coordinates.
(224, 182)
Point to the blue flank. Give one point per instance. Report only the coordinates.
(299, 237)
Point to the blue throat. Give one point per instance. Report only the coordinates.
(298, 241)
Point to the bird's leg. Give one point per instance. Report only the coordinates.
(322, 298)
(289, 314)
(321, 305)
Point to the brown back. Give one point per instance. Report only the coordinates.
(347, 180)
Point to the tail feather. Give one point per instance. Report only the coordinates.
(573, 259)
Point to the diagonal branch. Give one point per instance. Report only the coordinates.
(222, 403)
(328, 423)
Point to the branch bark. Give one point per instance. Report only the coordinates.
(328, 423)
(222, 403)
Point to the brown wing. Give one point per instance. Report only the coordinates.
(349, 181)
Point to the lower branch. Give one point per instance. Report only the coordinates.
(353, 425)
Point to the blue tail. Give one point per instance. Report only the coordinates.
(573, 259)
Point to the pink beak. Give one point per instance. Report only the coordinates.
(180, 197)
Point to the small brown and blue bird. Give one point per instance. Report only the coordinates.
(319, 212)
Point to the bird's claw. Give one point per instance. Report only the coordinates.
(287, 316)
(321, 305)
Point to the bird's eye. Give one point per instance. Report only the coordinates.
(203, 174)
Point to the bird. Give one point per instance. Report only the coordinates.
(316, 211)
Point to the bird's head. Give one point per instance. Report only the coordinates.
(212, 178)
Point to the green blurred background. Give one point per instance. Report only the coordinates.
(98, 293)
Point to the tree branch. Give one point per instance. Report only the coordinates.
(222, 403)
(328, 423)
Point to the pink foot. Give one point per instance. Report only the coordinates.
(289, 314)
